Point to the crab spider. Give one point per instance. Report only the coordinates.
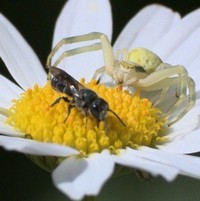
(140, 68)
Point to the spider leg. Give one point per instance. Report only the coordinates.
(164, 79)
(75, 39)
(186, 83)
(191, 100)
(108, 56)
(164, 90)
(75, 51)
(161, 96)
(98, 71)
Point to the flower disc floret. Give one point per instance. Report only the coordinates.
(33, 115)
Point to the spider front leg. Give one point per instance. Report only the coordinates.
(97, 72)
(114, 67)
(186, 83)
(75, 51)
(108, 57)
(165, 78)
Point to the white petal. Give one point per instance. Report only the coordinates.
(127, 158)
(8, 130)
(81, 17)
(194, 71)
(147, 27)
(19, 57)
(187, 165)
(27, 146)
(185, 144)
(77, 177)
(177, 35)
(9, 91)
(186, 52)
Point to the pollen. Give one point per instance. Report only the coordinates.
(34, 115)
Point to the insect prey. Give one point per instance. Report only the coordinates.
(81, 97)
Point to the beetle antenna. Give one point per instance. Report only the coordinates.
(118, 117)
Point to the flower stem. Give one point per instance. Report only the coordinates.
(89, 198)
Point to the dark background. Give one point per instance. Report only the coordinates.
(20, 179)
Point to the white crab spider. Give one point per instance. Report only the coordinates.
(140, 68)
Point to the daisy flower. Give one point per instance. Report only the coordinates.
(81, 155)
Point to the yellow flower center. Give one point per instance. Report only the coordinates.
(34, 116)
